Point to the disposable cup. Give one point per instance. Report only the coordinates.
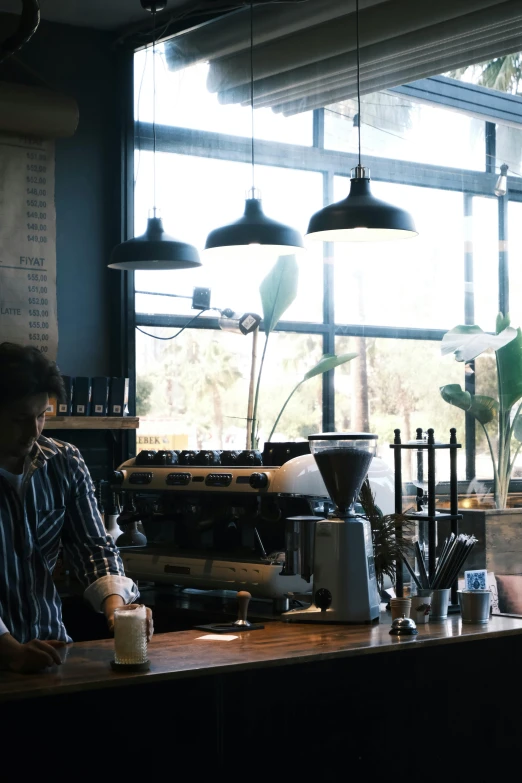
(400, 607)
(421, 606)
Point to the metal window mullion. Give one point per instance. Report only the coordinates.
(308, 327)
(183, 141)
(469, 318)
(328, 315)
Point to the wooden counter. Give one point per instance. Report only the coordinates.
(180, 655)
(289, 699)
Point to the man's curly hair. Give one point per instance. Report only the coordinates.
(24, 371)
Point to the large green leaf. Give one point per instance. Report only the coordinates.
(329, 362)
(454, 394)
(278, 290)
(467, 342)
(509, 360)
(483, 408)
(517, 429)
(502, 322)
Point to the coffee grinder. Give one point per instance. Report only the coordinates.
(344, 583)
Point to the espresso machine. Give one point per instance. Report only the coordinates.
(226, 521)
(344, 583)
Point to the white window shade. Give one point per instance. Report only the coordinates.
(305, 54)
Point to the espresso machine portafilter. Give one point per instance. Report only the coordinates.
(344, 583)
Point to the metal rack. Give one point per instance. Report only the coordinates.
(433, 515)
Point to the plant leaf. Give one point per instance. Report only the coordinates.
(509, 360)
(278, 290)
(328, 362)
(454, 394)
(502, 322)
(468, 342)
(483, 408)
(517, 429)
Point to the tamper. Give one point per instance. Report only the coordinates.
(243, 599)
(241, 624)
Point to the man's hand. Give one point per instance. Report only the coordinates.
(112, 602)
(30, 657)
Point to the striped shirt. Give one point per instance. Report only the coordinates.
(57, 507)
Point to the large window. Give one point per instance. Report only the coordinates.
(390, 302)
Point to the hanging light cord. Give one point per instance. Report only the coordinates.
(358, 76)
(154, 106)
(252, 87)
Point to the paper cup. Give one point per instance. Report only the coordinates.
(400, 607)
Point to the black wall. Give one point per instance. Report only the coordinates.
(92, 340)
(83, 64)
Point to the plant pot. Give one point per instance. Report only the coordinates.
(499, 534)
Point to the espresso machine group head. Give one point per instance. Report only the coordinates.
(344, 583)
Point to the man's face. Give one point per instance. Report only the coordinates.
(21, 423)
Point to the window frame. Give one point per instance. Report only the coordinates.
(331, 163)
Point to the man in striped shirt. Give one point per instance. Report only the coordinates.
(46, 500)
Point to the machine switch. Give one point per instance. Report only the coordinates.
(140, 478)
(178, 479)
(259, 480)
(218, 479)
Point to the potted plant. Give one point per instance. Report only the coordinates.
(501, 421)
(388, 548)
(278, 290)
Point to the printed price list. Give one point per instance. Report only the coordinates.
(28, 244)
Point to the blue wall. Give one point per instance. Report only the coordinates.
(82, 63)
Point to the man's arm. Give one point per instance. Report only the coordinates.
(92, 554)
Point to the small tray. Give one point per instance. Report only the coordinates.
(229, 627)
(130, 667)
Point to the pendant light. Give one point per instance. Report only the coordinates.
(154, 249)
(360, 217)
(254, 236)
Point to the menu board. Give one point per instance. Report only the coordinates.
(28, 243)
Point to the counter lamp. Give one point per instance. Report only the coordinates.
(360, 217)
(154, 249)
(254, 236)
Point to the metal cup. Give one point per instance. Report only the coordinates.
(439, 604)
(474, 605)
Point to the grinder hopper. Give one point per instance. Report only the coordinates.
(344, 583)
(343, 459)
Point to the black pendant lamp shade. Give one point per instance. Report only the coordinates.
(253, 229)
(361, 217)
(253, 236)
(154, 250)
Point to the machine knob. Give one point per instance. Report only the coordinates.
(145, 458)
(323, 598)
(165, 457)
(117, 477)
(187, 457)
(258, 480)
(243, 599)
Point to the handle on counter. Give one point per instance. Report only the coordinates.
(243, 599)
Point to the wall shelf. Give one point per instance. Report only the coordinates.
(91, 423)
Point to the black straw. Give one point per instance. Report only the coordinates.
(422, 568)
(455, 551)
